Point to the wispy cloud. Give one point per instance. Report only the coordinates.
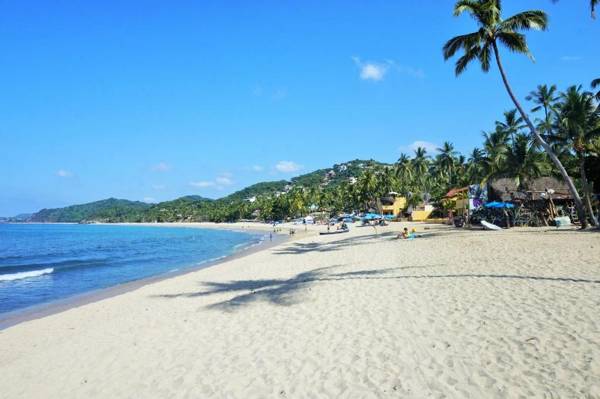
(158, 187)
(64, 173)
(220, 182)
(149, 200)
(161, 167)
(257, 168)
(571, 58)
(430, 147)
(288, 166)
(202, 184)
(224, 179)
(377, 70)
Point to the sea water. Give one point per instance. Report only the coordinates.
(41, 263)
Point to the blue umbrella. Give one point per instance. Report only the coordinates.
(499, 205)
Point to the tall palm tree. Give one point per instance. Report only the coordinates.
(495, 149)
(578, 127)
(404, 171)
(447, 160)
(545, 99)
(512, 123)
(482, 45)
(475, 166)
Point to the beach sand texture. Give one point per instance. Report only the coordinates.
(453, 314)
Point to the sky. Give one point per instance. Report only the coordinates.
(152, 100)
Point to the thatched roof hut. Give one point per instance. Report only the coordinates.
(507, 190)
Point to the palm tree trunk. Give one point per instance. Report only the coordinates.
(545, 146)
(586, 191)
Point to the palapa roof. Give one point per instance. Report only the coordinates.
(507, 190)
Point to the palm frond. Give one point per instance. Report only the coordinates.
(463, 62)
(458, 42)
(470, 6)
(515, 42)
(526, 20)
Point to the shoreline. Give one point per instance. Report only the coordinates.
(42, 310)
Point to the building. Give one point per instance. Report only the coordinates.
(421, 213)
(393, 206)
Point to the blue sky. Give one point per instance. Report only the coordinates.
(152, 100)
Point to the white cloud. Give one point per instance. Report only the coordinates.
(257, 168)
(159, 187)
(371, 70)
(64, 173)
(220, 182)
(571, 58)
(224, 180)
(430, 147)
(149, 200)
(376, 71)
(161, 167)
(202, 184)
(287, 166)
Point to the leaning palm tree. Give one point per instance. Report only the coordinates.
(578, 127)
(482, 45)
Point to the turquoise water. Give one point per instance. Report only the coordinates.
(43, 263)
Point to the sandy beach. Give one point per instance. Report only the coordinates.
(452, 314)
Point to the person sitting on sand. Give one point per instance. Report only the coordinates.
(404, 235)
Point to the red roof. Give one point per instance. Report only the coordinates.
(455, 191)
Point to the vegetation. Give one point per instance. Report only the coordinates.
(108, 210)
(482, 45)
(559, 137)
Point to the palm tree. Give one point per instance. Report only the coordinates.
(404, 170)
(545, 99)
(596, 85)
(512, 123)
(447, 160)
(482, 45)
(578, 127)
(475, 167)
(524, 162)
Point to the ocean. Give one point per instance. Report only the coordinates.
(42, 263)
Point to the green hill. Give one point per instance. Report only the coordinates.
(194, 208)
(109, 210)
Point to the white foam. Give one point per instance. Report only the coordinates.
(18, 276)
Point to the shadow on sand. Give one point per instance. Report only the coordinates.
(287, 292)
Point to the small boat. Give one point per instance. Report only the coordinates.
(326, 233)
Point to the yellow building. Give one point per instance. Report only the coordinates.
(393, 206)
(421, 213)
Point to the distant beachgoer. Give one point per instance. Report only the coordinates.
(405, 235)
(270, 236)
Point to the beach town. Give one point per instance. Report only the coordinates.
(439, 272)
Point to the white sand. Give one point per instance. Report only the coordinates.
(457, 314)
